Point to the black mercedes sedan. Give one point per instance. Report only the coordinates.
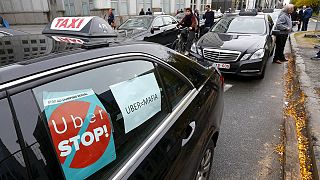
(157, 28)
(98, 109)
(237, 44)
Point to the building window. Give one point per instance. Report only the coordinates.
(143, 4)
(124, 7)
(203, 5)
(114, 6)
(165, 5)
(180, 4)
(193, 4)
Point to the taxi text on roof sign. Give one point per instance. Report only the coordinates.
(70, 23)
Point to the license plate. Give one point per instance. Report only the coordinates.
(221, 65)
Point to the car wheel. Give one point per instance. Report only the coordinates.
(206, 163)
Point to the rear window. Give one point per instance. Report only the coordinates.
(240, 25)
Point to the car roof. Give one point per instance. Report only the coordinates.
(62, 54)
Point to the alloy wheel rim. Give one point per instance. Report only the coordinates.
(204, 167)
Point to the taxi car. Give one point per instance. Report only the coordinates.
(152, 28)
(237, 44)
(102, 109)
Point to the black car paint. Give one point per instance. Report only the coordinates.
(205, 109)
(164, 35)
(245, 43)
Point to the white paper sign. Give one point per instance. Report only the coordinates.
(139, 99)
(69, 23)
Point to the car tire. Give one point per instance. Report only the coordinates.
(204, 168)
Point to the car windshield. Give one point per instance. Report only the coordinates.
(240, 25)
(136, 23)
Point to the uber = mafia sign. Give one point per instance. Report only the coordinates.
(139, 99)
(70, 23)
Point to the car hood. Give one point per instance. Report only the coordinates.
(236, 42)
(131, 33)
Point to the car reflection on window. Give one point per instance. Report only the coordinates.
(240, 25)
(136, 23)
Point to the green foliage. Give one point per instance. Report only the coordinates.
(300, 3)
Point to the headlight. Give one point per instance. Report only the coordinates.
(196, 49)
(245, 57)
(258, 54)
(193, 48)
(199, 51)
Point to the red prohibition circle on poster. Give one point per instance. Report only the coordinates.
(74, 129)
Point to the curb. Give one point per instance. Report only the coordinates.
(311, 104)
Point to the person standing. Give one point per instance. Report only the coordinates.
(209, 17)
(306, 17)
(141, 12)
(189, 21)
(149, 12)
(110, 18)
(301, 14)
(284, 25)
(294, 17)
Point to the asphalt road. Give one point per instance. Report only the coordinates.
(250, 128)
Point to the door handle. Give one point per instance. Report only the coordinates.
(192, 125)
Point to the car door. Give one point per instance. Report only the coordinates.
(171, 30)
(202, 117)
(157, 32)
(50, 112)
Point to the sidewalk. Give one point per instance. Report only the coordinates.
(309, 77)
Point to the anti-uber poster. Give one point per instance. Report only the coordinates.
(81, 131)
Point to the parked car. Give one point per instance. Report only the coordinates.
(237, 44)
(157, 28)
(104, 110)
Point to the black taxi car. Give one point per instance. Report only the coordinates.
(75, 109)
(237, 44)
(156, 28)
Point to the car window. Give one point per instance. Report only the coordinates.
(111, 86)
(43, 162)
(12, 164)
(168, 20)
(175, 87)
(136, 23)
(158, 22)
(240, 25)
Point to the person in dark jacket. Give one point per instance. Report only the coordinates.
(149, 12)
(284, 25)
(189, 21)
(209, 17)
(301, 14)
(295, 17)
(110, 18)
(141, 12)
(306, 17)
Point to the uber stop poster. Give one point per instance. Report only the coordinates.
(81, 131)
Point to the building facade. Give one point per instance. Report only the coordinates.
(42, 11)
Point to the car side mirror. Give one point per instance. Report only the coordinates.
(154, 29)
